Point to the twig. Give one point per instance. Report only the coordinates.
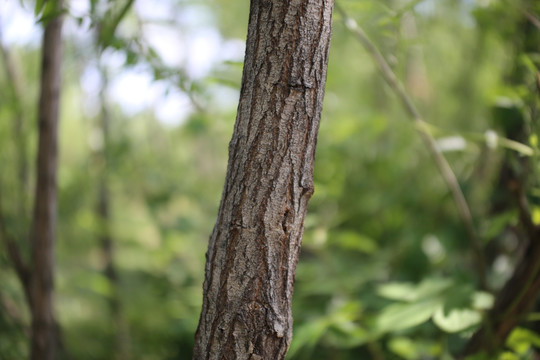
(533, 19)
(440, 160)
(524, 213)
(108, 30)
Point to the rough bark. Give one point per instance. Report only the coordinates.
(254, 247)
(43, 330)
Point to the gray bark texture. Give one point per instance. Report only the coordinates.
(43, 331)
(254, 247)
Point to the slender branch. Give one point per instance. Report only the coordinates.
(15, 97)
(533, 19)
(23, 273)
(441, 162)
(14, 88)
(108, 30)
(520, 292)
(176, 76)
(524, 212)
(21, 269)
(512, 303)
(121, 333)
(121, 14)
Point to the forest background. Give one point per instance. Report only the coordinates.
(389, 268)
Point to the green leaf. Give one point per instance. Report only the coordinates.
(507, 356)
(456, 320)
(404, 347)
(403, 316)
(536, 215)
(95, 282)
(351, 240)
(521, 340)
(397, 291)
(535, 316)
(152, 53)
(348, 337)
(112, 20)
(238, 64)
(39, 6)
(459, 298)
(516, 146)
(528, 62)
(428, 288)
(432, 287)
(50, 11)
(308, 335)
(131, 58)
(495, 225)
(483, 300)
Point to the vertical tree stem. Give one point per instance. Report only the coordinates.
(15, 92)
(43, 330)
(107, 243)
(254, 248)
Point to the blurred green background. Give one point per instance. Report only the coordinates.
(386, 270)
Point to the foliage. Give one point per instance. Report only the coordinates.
(386, 271)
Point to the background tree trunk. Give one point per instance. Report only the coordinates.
(254, 247)
(106, 240)
(43, 331)
(520, 292)
(15, 91)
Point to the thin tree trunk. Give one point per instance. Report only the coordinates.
(121, 337)
(43, 329)
(519, 294)
(254, 247)
(513, 302)
(15, 97)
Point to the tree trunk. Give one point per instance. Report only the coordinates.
(513, 302)
(43, 330)
(254, 247)
(121, 337)
(520, 292)
(15, 91)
